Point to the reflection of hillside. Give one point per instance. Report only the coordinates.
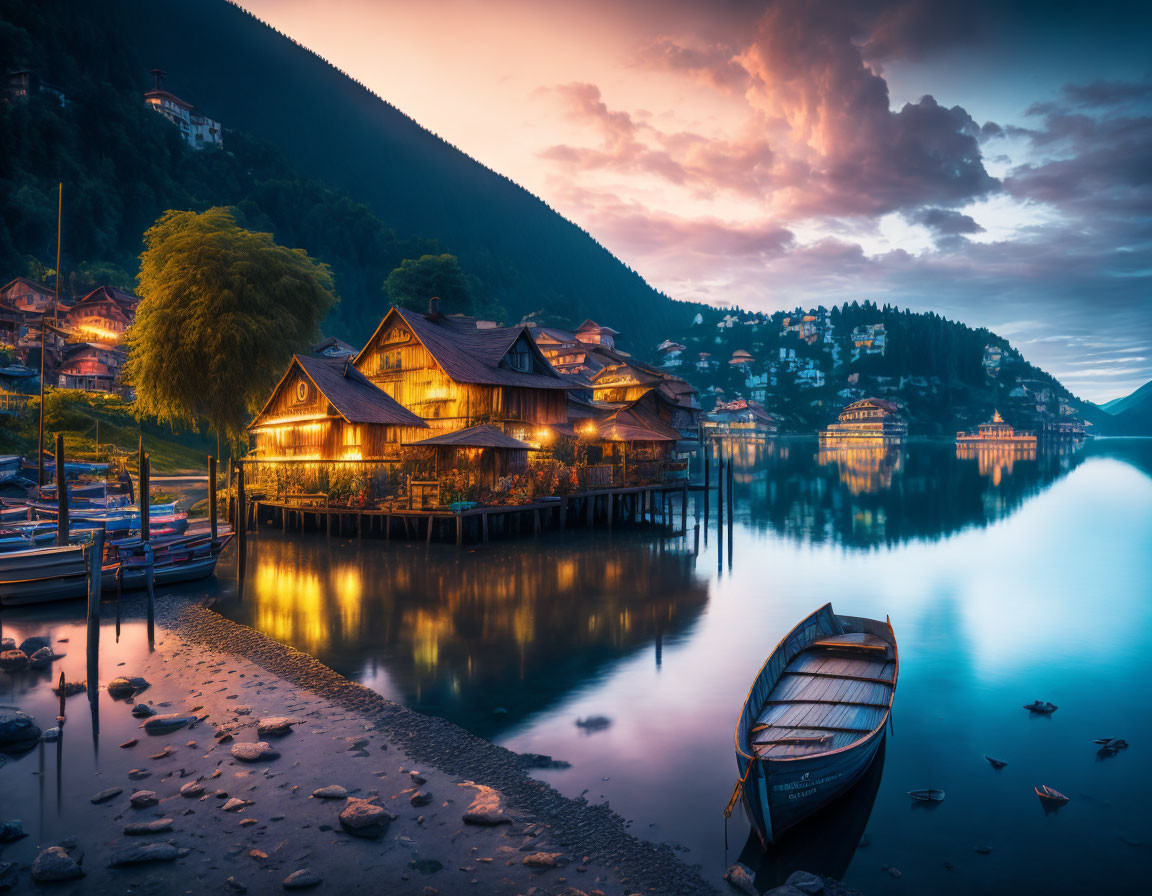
(515, 627)
(923, 491)
(863, 469)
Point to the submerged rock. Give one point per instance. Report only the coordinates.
(545, 860)
(11, 830)
(257, 752)
(13, 661)
(277, 726)
(487, 808)
(739, 878)
(303, 879)
(805, 882)
(50, 735)
(18, 730)
(41, 659)
(158, 826)
(143, 799)
(143, 711)
(142, 854)
(594, 723)
(331, 792)
(35, 643)
(420, 798)
(192, 789)
(167, 723)
(126, 687)
(104, 795)
(364, 818)
(54, 864)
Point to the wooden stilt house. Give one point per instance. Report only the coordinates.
(455, 375)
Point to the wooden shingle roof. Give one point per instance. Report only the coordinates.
(355, 398)
(471, 355)
(482, 436)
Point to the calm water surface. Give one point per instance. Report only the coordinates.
(1006, 579)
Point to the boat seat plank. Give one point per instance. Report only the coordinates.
(855, 641)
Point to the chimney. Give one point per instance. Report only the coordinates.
(433, 309)
(347, 364)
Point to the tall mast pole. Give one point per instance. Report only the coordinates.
(44, 337)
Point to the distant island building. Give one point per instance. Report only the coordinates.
(739, 419)
(997, 433)
(197, 130)
(869, 422)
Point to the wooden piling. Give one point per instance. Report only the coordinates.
(212, 498)
(242, 520)
(684, 507)
(61, 495)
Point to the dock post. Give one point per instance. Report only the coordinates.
(731, 484)
(563, 512)
(719, 496)
(430, 527)
(94, 554)
(212, 497)
(149, 582)
(484, 525)
(611, 508)
(459, 530)
(61, 494)
(707, 481)
(242, 520)
(145, 495)
(684, 507)
(536, 521)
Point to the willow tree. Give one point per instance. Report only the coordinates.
(222, 311)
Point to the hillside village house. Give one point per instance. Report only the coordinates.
(739, 418)
(27, 296)
(103, 314)
(453, 375)
(197, 130)
(993, 356)
(871, 339)
(91, 366)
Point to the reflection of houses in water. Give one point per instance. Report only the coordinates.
(865, 469)
(870, 421)
(995, 461)
(750, 457)
(460, 635)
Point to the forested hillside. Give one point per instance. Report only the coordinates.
(269, 92)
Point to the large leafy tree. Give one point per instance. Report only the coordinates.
(418, 279)
(222, 311)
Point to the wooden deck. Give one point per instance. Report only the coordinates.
(654, 504)
(829, 696)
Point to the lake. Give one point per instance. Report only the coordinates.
(629, 654)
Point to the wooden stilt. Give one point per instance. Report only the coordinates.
(484, 526)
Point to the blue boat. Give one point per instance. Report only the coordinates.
(814, 718)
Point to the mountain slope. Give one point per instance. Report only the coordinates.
(1132, 400)
(249, 77)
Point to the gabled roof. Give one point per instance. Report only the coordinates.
(591, 325)
(334, 346)
(165, 95)
(636, 422)
(126, 300)
(482, 436)
(883, 403)
(471, 355)
(354, 397)
(39, 287)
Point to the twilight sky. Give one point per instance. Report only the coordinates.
(988, 161)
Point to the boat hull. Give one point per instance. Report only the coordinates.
(778, 796)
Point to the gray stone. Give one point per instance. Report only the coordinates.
(303, 879)
(487, 808)
(420, 798)
(257, 752)
(143, 711)
(18, 730)
(143, 799)
(37, 642)
(13, 661)
(805, 882)
(167, 723)
(104, 795)
(41, 659)
(418, 779)
(54, 864)
(7, 644)
(331, 792)
(235, 805)
(143, 853)
(126, 687)
(192, 789)
(11, 830)
(50, 736)
(276, 726)
(363, 818)
(740, 878)
(235, 886)
(159, 826)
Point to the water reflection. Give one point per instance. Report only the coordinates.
(483, 637)
(865, 497)
(995, 461)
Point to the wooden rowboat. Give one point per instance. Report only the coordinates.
(927, 796)
(814, 718)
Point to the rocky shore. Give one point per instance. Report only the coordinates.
(257, 769)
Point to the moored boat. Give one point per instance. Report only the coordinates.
(814, 718)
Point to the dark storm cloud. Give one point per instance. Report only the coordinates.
(945, 221)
